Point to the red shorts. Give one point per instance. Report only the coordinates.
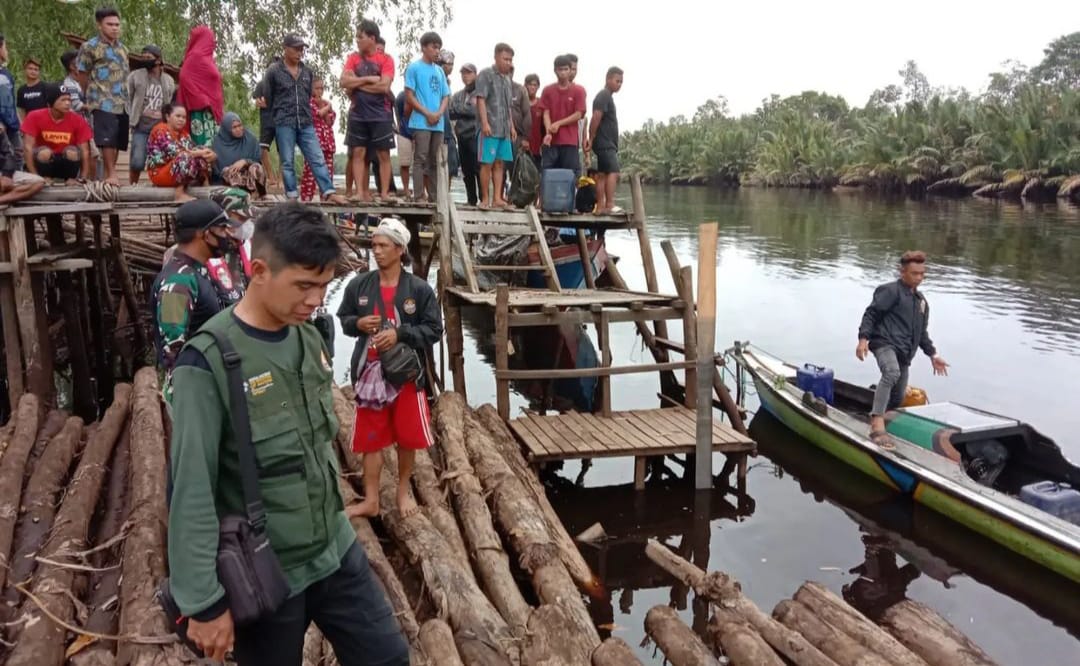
(405, 421)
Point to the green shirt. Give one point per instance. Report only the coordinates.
(287, 378)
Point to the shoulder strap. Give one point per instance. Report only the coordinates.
(241, 425)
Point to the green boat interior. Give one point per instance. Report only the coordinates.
(997, 451)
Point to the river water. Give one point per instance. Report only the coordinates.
(795, 271)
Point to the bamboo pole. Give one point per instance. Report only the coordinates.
(706, 351)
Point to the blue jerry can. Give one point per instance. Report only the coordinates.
(817, 380)
(557, 190)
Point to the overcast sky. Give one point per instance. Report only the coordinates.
(678, 53)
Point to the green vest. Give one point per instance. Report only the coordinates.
(293, 428)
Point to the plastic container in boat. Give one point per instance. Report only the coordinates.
(817, 380)
(557, 190)
(1057, 499)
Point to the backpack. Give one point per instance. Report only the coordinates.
(525, 180)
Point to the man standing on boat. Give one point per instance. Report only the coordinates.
(893, 329)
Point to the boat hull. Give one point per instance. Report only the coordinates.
(568, 266)
(833, 441)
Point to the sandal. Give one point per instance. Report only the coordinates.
(883, 440)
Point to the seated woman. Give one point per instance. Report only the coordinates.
(238, 157)
(172, 160)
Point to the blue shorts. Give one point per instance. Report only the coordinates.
(496, 149)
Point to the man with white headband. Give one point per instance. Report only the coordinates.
(382, 308)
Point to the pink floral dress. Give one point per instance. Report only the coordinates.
(324, 129)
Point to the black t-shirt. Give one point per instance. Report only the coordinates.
(607, 135)
(31, 97)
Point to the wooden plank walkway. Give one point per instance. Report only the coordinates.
(636, 433)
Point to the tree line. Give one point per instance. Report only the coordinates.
(1022, 131)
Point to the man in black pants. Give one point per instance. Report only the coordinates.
(466, 126)
(289, 386)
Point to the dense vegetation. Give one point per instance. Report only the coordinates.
(248, 32)
(1022, 131)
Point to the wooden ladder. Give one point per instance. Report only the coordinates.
(508, 223)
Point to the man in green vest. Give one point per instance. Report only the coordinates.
(287, 376)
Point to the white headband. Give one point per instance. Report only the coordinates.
(395, 230)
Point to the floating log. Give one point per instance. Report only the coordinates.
(437, 641)
(455, 592)
(614, 652)
(395, 591)
(741, 644)
(144, 549)
(511, 452)
(313, 646)
(104, 597)
(680, 645)
(42, 641)
(39, 507)
(555, 638)
(931, 636)
(12, 467)
(485, 547)
(832, 609)
(523, 524)
(843, 649)
(723, 591)
(435, 506)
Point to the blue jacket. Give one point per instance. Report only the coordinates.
(9, 117)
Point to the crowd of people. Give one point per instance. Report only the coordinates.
(180, 133)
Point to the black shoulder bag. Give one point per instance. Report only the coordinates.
(400, 364)
(247, 567)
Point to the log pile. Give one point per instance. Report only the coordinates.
(813, 628)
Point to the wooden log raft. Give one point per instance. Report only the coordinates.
(395, 591)
(523, 524)
(39, 507)
(144, 549)
(555, 638)
(437, 643)
(731, 605)
(614, 652)
(511, 452)
(49, 428)
(42, 640)
(434, 503)
(11, 473)
(680, 645)
(475, 621)
(485, 547)
(741, 644)
(931, 636)
(104, 596)
(843, 649)
(829, 607)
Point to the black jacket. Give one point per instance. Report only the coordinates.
(898, 317)
(288, 99)
(416, 310)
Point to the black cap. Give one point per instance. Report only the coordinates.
(293, 40)
(50, 92)
(201, 214)
(152, 49)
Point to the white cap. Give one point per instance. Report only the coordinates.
(395, 230)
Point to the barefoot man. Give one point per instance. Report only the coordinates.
(893, 329)
(382, 308)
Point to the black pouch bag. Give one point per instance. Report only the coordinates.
(400, 364)
(247, 567)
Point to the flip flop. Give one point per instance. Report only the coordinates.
(883, 440)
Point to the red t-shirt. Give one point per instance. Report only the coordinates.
(371, 106)
(561, 103)
(386, 308)
(71, 130)
(536, 132)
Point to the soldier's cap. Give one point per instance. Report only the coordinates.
(202, 214)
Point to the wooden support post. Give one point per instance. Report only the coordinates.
(586, 260)
(82, 389)
(127, 288)
(97, 300)
(638, 197)
(442, 222)
(12, 345)
(706, 343)
(502, 352)
(686, 291)
(640, 463)
(420, 266)
(603, 332)
(455, 340)
(114, 226)
(38, 381)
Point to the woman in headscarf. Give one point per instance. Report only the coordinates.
(172, 160)
(200, 86)
(238, 156)
(322, 113)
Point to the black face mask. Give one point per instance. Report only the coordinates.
(225, 245)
